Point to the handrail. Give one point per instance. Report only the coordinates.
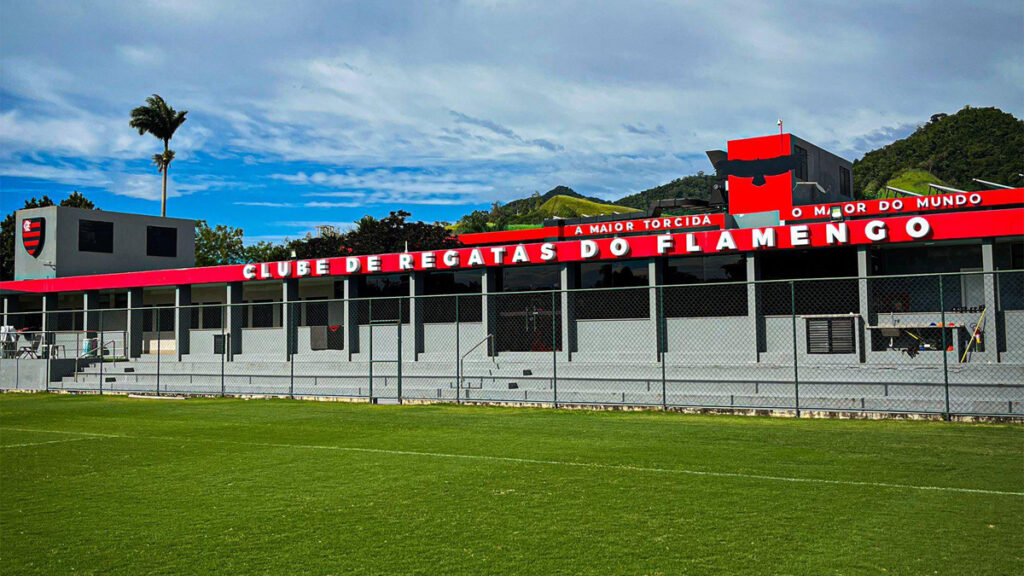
(462, 360)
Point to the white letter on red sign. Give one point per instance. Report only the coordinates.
(918, 227)
(588, 249)
(264, 270)
(302, 268)
(837, 233)
(249, 271)
(450, 258)
(519, 256)
(284, 269)
(428, 260)
(323, 268)
(763, 238)
(619, 247)
(725, 242)
(665, 243)
(547, 251)
(799, 235)
(476, 257)
(499, 254)
(875, 230)
(405, 262)
(352, 265)
(691, 244)
(373, 264)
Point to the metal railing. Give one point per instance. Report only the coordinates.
(940, 344)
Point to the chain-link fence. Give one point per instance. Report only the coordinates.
(926, 344)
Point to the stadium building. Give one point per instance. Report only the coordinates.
(780, 292)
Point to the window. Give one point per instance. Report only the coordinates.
(391, 293)
(921, 293)
(801, 156)
(263, 314)
(316, 312)
(213, 315)
(699, 296)
(95, 236)
(527, 321)
(810, 296)
(623, 303)
(442, 309)
(161, 241)
(845, 185)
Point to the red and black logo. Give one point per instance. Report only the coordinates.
(33, 234)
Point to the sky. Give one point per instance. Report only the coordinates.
(307, 113)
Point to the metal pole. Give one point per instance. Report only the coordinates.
(369, 312)
(99, 350)
(400, 351)
(796, 371)
(159, 339)
(554, 350)
(458, 355)
(662, 345)
(945, 365)
(290, 325)
(224, 343)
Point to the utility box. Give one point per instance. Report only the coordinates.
(58, 241)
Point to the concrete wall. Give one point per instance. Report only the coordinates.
(60, 247)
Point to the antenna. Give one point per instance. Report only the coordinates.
(782, 142)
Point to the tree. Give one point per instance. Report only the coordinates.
(7, 231)
(160, 120)
(395, 234)
(219, 245)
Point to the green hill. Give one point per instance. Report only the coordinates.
(984, 143)
(915, 180)
(561, 201)
(697, 186)
(570, 207)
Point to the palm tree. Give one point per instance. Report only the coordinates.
(160, 120)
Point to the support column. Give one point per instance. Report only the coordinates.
(416, 284)
(989, 327)
(133, 322)
(568, 282)
(351, 316)
(182, 319)
(235, 320)
(755, 319)
(489, 311)
(654, 279)
(10, 310)
(864, 295)
(90, 315)
(290, 316)
(49, 316)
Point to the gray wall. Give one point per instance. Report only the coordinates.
(60, 246)
(823, 168)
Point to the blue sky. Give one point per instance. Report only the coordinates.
(303, 113)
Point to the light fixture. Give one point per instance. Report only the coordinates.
(836, 213)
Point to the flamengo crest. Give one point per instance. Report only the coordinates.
(33, 234)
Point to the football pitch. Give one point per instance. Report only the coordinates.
(114, 485)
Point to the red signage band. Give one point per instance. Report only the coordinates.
(930, 227)
(910, 204)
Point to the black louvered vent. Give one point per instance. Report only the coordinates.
(830, 336)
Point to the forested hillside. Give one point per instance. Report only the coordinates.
(984, 143)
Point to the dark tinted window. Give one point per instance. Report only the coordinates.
(619, 303)
(393, 293)
(698, 296)
(161, 241)
(528, 322)
(844, 181)
(810, 297)
(528, 278)
(801, 156)
(95, 236)
(441, 309)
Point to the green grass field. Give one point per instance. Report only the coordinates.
(113, 485)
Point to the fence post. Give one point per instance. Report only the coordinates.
(224, 346)
(458, 354)
(99, 350)
(412, 323)
(291, 325)
(662, 345)
(554, 350)
(945, 346)
(159, 333)
(796, 370)
(369, 312)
